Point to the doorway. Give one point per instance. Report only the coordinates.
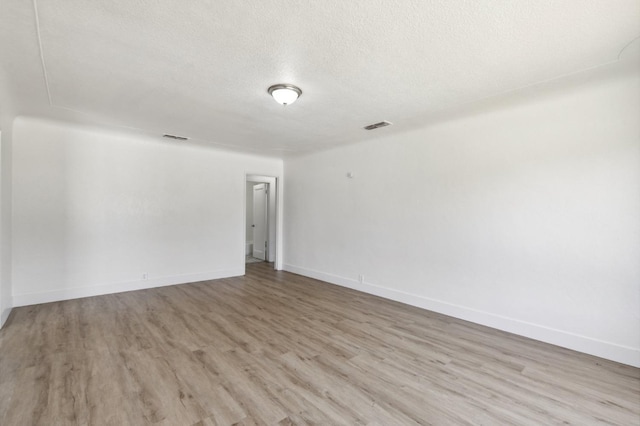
(261, 220)
(259, 243)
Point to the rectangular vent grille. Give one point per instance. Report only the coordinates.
(378, 125)
(178, 138)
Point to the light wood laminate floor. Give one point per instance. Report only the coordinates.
(278, 349)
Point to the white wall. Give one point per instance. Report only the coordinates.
(93, 211)
(5, 225)
(523, 217)
(2, 282)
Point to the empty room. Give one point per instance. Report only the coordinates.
(367, 212)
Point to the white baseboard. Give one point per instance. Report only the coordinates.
(588, 345)
(4, 316)
(79, 292)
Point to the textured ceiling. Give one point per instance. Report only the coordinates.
(201, 69)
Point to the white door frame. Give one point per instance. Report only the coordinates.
(260, 225)
(275, 221)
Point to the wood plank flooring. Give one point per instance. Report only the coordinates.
(274, 348)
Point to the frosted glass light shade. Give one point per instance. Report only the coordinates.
(285, 94)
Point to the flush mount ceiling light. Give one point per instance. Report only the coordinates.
(285, 94)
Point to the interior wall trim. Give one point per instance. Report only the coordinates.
(119, 287)
(612, 351)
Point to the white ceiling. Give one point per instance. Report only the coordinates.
(201, 68)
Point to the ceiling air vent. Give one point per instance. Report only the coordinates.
(377, 125)
(178, 138)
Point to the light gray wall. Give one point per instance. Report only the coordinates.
(94, 211)
(524, 215)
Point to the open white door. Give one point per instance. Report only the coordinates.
(260, 221)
